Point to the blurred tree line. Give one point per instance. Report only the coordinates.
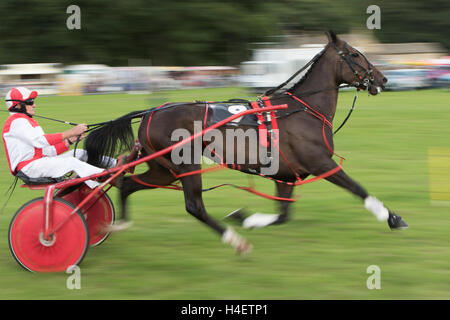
(195, 32)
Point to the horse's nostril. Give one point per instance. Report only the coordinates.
(385, 80)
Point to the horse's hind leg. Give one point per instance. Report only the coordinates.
(284, 191)
(371, 203)
(260, 220)
(192, 187)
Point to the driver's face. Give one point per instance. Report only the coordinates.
(30, 109)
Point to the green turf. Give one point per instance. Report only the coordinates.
(322, 253)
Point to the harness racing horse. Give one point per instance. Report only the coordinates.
(305, 140)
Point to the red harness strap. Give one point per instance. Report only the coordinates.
(252, 190)
(150, 143)
(320, 116)
(175, 175)
(275, 132)
(170, 186)
(324, 175)
(249, 189)
(200, 171)
(262, 128)
(222, 163)
(301, 182)
(312, 111)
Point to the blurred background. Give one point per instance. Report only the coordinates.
(132, 54)
(139, 46)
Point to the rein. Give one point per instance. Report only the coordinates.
(348, 115)
(52, 119)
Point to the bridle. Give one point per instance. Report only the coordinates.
(366, 78)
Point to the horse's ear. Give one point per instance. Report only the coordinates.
(332, 37)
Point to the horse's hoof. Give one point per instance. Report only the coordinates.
(241, 245)
(120, 225)
(236, 216)
(244, 248)
(395, 222)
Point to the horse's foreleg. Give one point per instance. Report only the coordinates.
(192, 187)
(371, 203)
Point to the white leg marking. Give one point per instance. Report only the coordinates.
(377, 208)
(259, 220)
(232, 238)
(236, 241)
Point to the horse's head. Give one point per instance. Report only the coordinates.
(354, 68)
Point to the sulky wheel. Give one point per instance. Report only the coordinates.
(98, 212)
(65, 248)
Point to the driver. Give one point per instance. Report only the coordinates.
(35, 154)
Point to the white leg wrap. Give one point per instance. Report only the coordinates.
(259, 220)
(377, 208)
(232, 238)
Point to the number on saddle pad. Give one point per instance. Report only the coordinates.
(224, 110)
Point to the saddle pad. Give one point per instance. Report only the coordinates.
(222, 110)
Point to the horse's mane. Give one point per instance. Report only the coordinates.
(308, 72)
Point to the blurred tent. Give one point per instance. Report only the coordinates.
(100, 78)
(83, 78)
(40, 76)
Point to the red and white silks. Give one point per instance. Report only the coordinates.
(30, 150)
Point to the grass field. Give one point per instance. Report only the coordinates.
(322, 253)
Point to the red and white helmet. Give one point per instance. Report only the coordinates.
(18, 95)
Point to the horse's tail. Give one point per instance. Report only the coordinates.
(111, 139)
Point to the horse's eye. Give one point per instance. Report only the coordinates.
(354, 54)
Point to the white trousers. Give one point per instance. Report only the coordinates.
(54, 167)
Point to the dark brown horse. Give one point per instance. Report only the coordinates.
(304, 139)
